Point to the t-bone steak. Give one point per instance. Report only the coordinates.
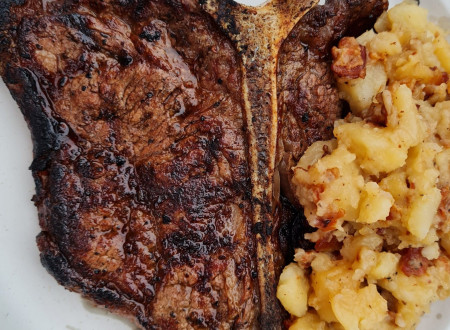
(164, 132)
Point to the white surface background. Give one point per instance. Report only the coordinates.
(29, 297)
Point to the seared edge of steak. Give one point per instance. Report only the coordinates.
(25, 90)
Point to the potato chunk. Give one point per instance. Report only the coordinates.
(329, 188)
(442, 51)
(359, 309)
(310, 321)
(374, 204)
(385, 44)
(384, 149)
(359, 93)
(293, 289)
(407, 19)
(326, 283)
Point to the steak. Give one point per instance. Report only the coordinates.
(162, 130)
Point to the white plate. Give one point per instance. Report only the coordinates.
(29, 297)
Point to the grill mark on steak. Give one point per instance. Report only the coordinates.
(154, 146)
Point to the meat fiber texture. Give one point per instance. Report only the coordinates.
(140, 114)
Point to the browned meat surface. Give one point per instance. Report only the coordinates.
(307, 95)
(154, 146)
(140, 156)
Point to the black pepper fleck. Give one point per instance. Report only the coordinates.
(125, 60)
(305, 117)
(120, 160)
(166, 219)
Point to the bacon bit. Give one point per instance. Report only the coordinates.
(444, 206)
(413, 263)
(438, 77)
(349, 59)
(381, 231)
(328, 243)
(316, 191)
(395, 213)
(377, 114)
(328, 222)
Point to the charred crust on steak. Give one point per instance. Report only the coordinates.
(24, 88)
(5, 12)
